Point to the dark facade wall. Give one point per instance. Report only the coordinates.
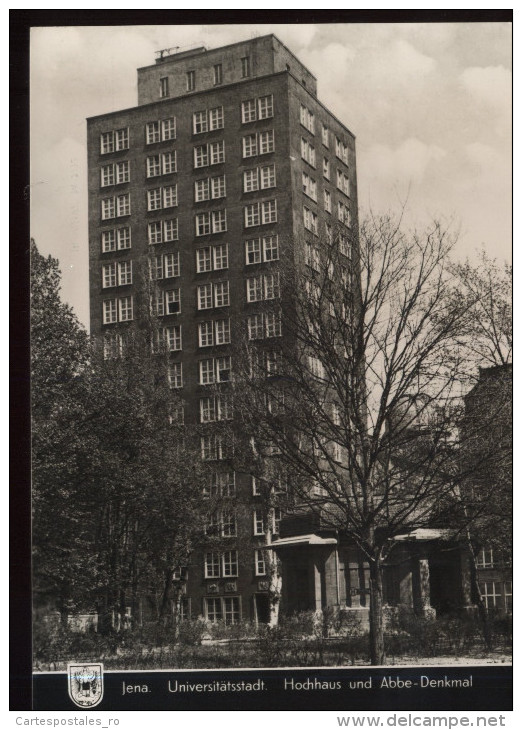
(268, 55)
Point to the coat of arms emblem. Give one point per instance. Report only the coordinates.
(85, 684)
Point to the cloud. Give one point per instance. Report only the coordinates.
(406, 163)
(490, 85)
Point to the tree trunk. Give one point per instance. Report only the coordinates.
(274, 577)
(377, 653)
(479, 601)
(274, 587)
(167, 583)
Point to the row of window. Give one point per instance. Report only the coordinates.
(223, 523)
(208, 258)
(311, 219)
(211, 188)
(497, 595)
(213, 332)
(255, 214)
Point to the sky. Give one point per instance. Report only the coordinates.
(429, 104)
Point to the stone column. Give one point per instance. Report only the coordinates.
(421, 587)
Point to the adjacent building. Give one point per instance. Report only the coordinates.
(228, 164)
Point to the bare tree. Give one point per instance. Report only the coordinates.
(365, 423)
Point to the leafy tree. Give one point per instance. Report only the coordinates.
(59, 354)
(366, 425)
(116, 498)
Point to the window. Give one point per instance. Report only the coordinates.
(307, 152)
(168, 160)
(213, 295)
(345, 247)
(219, 609)
(327, 201)
(209, 154)
(326, 168)
(310, 220)
(215, 448)
(161, 130)
(266, 142)
(222, 331)
(166, 197)
(341, 150)
(250, 145)
(260, 213)
(212, 257)
(263, 325)
(168, 129)
(215, 408)
(259, 523)
(316, 367)
(115, 174)
(218, 74)
(116, 206)
(114, 141)
(112, 345)
(343, 213)
(124, 273)
(248, 111)
(245, 67)
(110, 311)
(307, 119)
(259, 562)
(309, 186)
(214, 222)
(273, 324)
(212, 565)
(175, 375)
(106, 142)
(172, 301)
(215, 370)
(266, 106)
(108, 275)
(312, 256)
(274, 360)
(115, 310)
(108, 241)
(343, 183)
(125, 309)
(123, 236)
(256, 328)
(263, 287)
(164, 87)
(492, 594)
(171, 336)
(258, 144)
(228, 523)
(214, 333)
(485, 559)
(259, 178)
(154, 166)
(108, 208)
(191, 80)
(230, 564)
(163, 231)
(324, 136)
(208, 120)
(219, 221)
(164, 266)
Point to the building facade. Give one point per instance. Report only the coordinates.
(228, 164)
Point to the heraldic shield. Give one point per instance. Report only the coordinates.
(85, 684)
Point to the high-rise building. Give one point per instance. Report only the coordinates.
(228, 164)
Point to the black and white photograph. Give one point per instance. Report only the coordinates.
(271, 365)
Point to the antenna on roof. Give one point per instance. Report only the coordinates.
(166, 51)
